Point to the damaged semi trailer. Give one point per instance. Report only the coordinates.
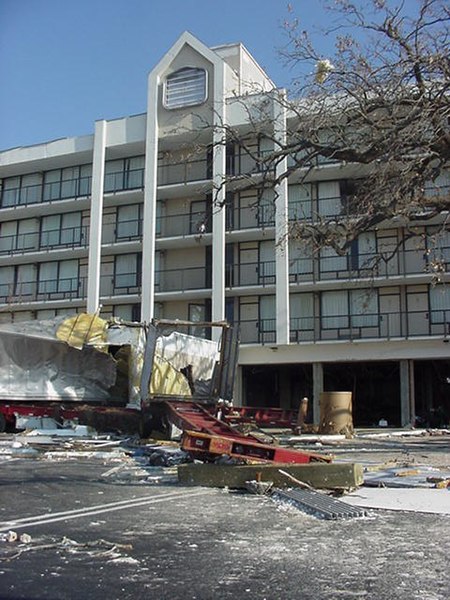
(110, 374)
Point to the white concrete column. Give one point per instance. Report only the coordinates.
(96, 214)
(150, 198)
(281, 226)
(219, 196)
(407, 404)
(317, 390)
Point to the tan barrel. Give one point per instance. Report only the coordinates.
(336, 413)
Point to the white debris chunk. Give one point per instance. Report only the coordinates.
(11, 536)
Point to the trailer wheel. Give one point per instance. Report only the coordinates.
(2, 423)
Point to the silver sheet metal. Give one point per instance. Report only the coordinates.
(45, 369)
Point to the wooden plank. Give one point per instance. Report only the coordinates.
(317, 475)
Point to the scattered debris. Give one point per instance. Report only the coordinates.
(12, 536)
(96, 549)
(162, 456)
(311, 438)
(395, 433)
(404, 477)
(259, 488)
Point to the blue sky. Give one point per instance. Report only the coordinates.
(66, 63)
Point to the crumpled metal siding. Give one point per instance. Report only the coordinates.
(41, 369)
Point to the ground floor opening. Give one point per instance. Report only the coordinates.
(432, 392)
(395, 393)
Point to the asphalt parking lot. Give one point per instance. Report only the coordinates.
(96, 537)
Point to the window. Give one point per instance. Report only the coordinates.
(10, 191)
(300, 205)
(267, 320)
(440, 304)
(26, 189)
(18, 235)
(354, 308)
(335, 311)
(199, 217)
(16, 282)
(266, 266)
(332, 263)
(438, 250)
(31, 186)
(58, 277)
(265, 151)
(24, 281)
(348, 190)
(134, 172)
(364, 308)
(129, 221)
(127, 272)
(128, 312)
(52, 185)
(197, 314)
(61, 230)
(158, 269)
(300, 260)
(114, 174)
(302, 316)
(160, 216)
(124, 174)
(229, 265)
(8, 233)
(185, 87)
(363, 252)
(70, 182)
(440, 186)
(329, 194)
(266, 208)
(229, 309)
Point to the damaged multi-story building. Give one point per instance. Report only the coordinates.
(147, 218)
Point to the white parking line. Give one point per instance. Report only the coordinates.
(97, 510)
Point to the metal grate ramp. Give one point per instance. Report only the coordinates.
(318, 504)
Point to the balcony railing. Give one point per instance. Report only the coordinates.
(184, 171)
(120, 181)
(254, 273)
(65, 288)
(179, 280)
(337, 207)
(46, 192)
(393, 325)
(250, 217)
(194, 223)
(68, 237)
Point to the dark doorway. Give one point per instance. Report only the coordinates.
(375, 387)
(432, 392)
(280, 386)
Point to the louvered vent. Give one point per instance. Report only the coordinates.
(185, 87)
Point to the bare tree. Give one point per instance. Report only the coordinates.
(378, 109)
